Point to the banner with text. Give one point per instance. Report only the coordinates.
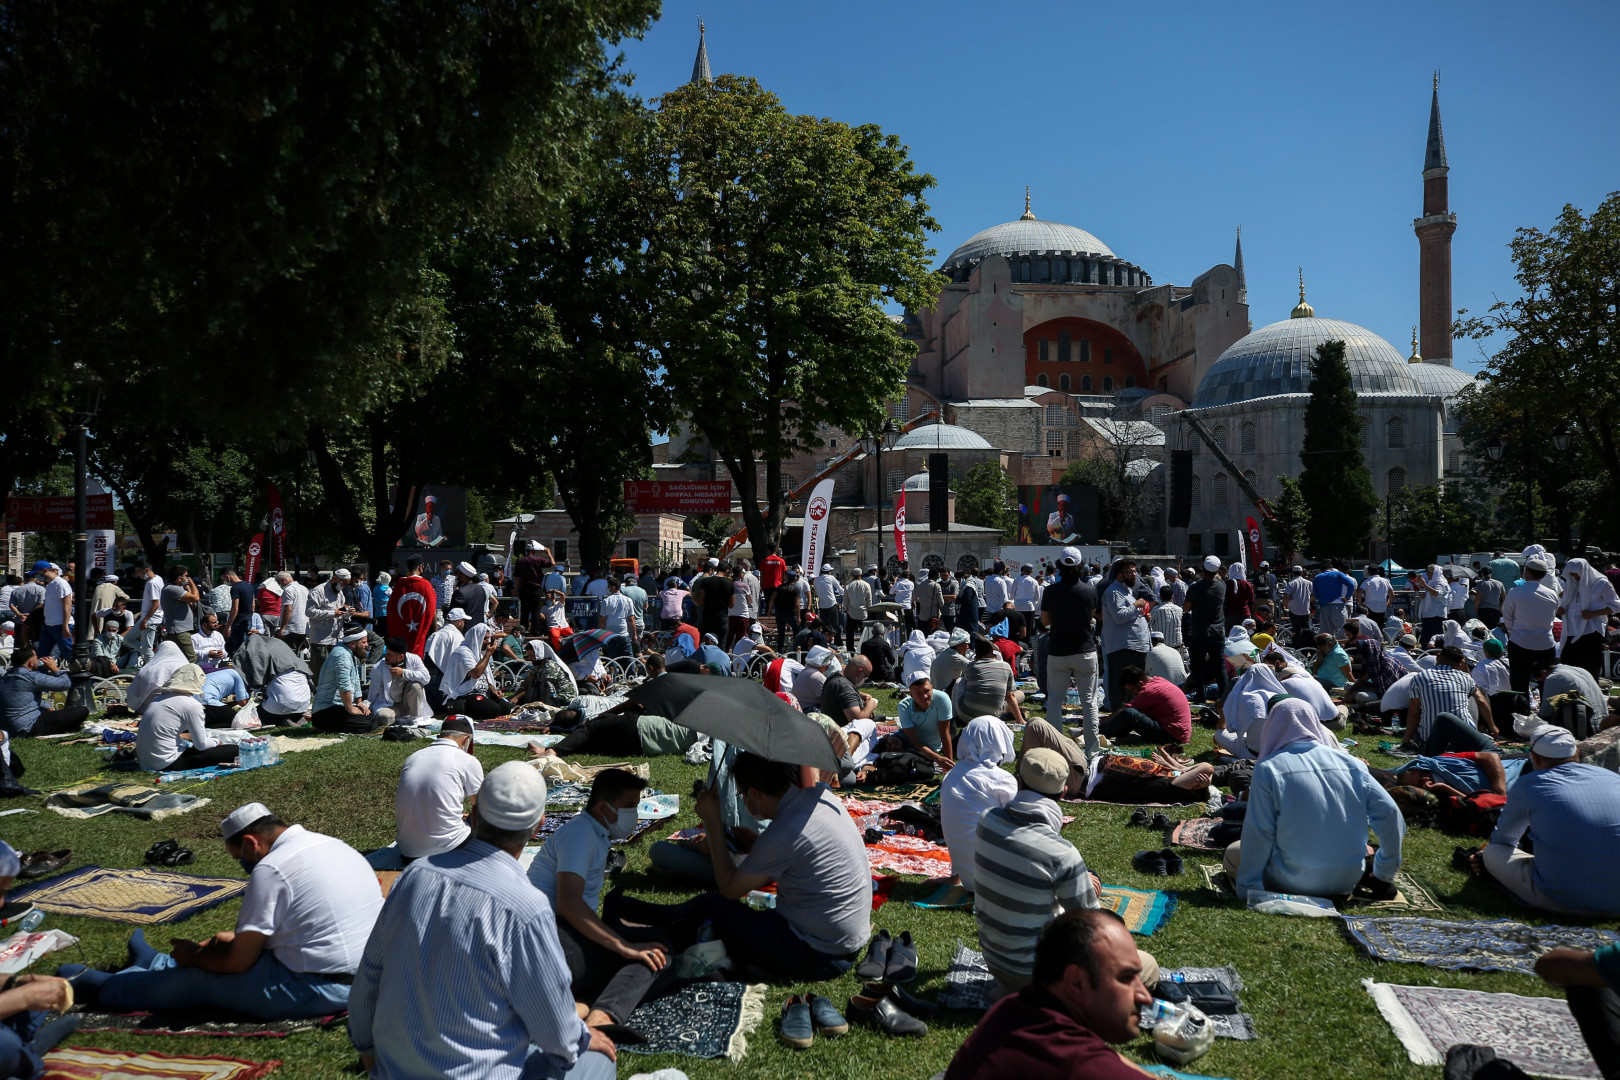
(278, 530)
(255, 556)
(900, 526)
(101, 549)
(817, 522)
(54, 513)
(1251, 535)
(677, 496)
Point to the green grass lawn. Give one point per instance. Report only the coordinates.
(1303, 978)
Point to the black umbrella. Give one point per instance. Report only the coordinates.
(741, 712)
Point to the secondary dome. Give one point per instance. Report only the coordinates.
(1448, 382)
(943, 437)
(1276, 359)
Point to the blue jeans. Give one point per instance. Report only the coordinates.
(590, 1066)
(265, 991)
(53, 642)
(17, 1058)
(1449, 734)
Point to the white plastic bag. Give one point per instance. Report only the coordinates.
(247, 717)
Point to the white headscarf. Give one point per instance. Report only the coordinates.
(441, 644)
(1238, 633)
(1585, 589)
(915, 655)
(975, 784)
(1157, 575)
(1246, 703)
(154, 676)
(1290, 722)
(462, 660)
(1236, 571)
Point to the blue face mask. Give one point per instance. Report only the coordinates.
(247, 866)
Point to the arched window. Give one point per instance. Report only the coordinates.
(1108, 384)
(1085, 384)
(933, 561)
(1396, 428)
(1063, 382)
(1397, 480)
(1064, 355)
(1040, 380)
(1366, 429)
(1023, 270)
(967, 564)
(1043, 351)
(1197, 492)
(1085, 350)
(1130, 381)
(901, 409)
(1220, 437)
(1254, 481)
(896, 478)
(1223, 494)
(1108, 355)
(1046, 269)
(1246, 436)
(1159, 415)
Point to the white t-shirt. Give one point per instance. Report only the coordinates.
(1399, 694)
(433, 785)
(157, 743)
(617, 611)
(1377, 591)
(55, 592)
(152, 597)
(295, 606)
(288, 693)
(315, 898)
(1459, 595)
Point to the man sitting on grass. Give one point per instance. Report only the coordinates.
(435, 783)
(612, 968)
(310, 904)
(925, 720)
(1157, 711)
(1085, 992)
(812, 850)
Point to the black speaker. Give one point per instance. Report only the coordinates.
(939, 493)
(1180, 488)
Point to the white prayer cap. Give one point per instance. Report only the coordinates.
(10, 861)
(714, 562)
(513, 797)
(110, 578)
(341, 574)
(241, 818)
(483, 577)
(1212, 563)
(8, 625)
(467, 568)
(920, 675)
(1554, 742)
(456, 615)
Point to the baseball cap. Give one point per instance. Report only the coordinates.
(41, 566)
(456, 615)
(1212, 563)
(1070, 556)
(1043, 770)
(826, 568)
(241, 818)
(1554, 742)
(513, 797)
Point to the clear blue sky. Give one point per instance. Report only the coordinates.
(1160, 128)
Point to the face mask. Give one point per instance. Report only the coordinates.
(247, 866)
(623, 826)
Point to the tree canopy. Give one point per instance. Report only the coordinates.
(986, 496)
(1334, 478)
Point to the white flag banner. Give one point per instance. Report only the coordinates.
(817, 520)
(101, 549)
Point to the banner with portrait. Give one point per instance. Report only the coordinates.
(1058, 514)
(440, 520)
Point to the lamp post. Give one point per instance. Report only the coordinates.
(883, 439)
(1560, 441)
(81, 540)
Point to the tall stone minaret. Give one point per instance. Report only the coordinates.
(700, 66)
(1434, 231)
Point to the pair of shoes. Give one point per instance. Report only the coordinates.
(802, 1014)
(1157, 863)
(882, 1013)
(1463, 858)
(1139, 819)
(169, 853)
(905, 999)
(889, 959)
(39, 863)
(1161, 821)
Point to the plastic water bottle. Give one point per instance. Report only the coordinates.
(31, 921)
(1181, 1032)
(1073, 699)
(272, 756)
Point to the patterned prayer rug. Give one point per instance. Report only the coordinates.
(1537, 1034)
(910, 855)
(1239, 1025)
(1409, 894)
(946, 896)
(1497, 945)
(1194, 833)
(1144, 910)
(145, 896)
(967, 981)
(202, 1022)
(555, 821)
(82, 1063)
(88, 801)
(704, 1020)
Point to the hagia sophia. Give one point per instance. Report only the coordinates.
(1046, 346)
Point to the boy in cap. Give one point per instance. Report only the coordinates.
(310, 904)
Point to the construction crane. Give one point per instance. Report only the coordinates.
(833, 466)
(1230, 466)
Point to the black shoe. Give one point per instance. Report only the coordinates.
(1172, 861)
(1161, 821)
(908, 1002)
(902, 965)
(39, 863)
(884, 1015)
(1150, 863)
(877, 957)
(1375, 889)
(161, 850)
(1462, 858)
(1139, 819)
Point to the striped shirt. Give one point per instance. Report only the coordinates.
(463, 976)
(1025, 875)
(1166, 619)
(1442, 690)
(1572, 813)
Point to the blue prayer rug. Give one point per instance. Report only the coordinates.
(1495, 945)
(704, 1020)
(145, 897)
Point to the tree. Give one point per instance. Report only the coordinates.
(1102, 474)
(711, 530)
(1433, 520)
(779, 240)
(1120, 465)
(263, 184)
(986, 496)
(1288, 530)
(1334, 478)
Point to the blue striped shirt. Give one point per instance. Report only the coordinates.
(1572, 813)
(463, 976)
(1442, 690)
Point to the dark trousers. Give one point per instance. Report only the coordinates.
(1586, 652)
(192, 758)
(1118, 661)
(1134, 726)
(1490, 616)
(1522, 661)
(340, 721)
(603, 979)
(612, 735)
(852, 630)
(787, 624)
(1299, 628)
(57, 721)
(220, 716)
(481, 706)
(1597, 1010)
(969, 615)
(1449, 735)
(529, 602)
(753, 939)
(1430, 628)
(1208, 666)
(1504, 705)
(238, 633)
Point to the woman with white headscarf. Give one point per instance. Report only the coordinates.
(1239, 595)
(1433, 600)
(975, 784)
(915, 655)
(1452, 634)
(1246, 703)
(1299, 683)
(154, 675)
(1589, 600)
(466, 682)
(548, 680)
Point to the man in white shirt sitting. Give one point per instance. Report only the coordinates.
(398, 688)
(310, 904)
(209, 643)
(433, 786)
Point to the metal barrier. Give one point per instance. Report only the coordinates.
(507, 676)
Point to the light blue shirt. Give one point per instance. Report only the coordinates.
(1306, 828)
(1124, 626)
(928, 724)
(340, 672)
(1572, 813)
(221, 684)
(463, 976)
(580, 847)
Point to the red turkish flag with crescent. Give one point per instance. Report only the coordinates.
(900, 527)
(278, 530)
(410, 611)
(255, 555)
(1251, 534)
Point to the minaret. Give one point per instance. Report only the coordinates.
(700, 66)
(1434, 231)
(1237, 264)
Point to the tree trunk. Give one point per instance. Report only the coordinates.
(377, 543)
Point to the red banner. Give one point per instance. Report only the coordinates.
(255, 555)
(278, 530)
(900, 527)
(54, 513)
(1251, 534)
(678, 496)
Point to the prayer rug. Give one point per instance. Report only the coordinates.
(909, 855)
(1409, 895)
(145, 897)
(1194, 833)
(894, 793)
(704, 1020)
(1537, 1034)
(1165, 1070)
(137, 799)
(213, 772)
(1144, 910)
(202, 1022)
(1239, 1025)
(570, 794)
(1496, 945)
(946, 896)
(967, 981)
(82, 1063)
(553, 822)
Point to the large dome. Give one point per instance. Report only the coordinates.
(1028, 237)
(1276, 359)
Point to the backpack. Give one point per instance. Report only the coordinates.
(1475, 813)
(900, 767)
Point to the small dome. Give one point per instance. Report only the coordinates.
(917, 482)
(941, 437)
(1276, 359)
(1444, 380)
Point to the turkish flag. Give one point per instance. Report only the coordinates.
(278, 530)
(900, 527)
(410, 611)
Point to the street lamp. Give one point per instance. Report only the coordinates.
(280, 442)
(1560, 438)
(1493, 448)
(883, 439)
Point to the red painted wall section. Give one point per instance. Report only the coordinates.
(1105, 342)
